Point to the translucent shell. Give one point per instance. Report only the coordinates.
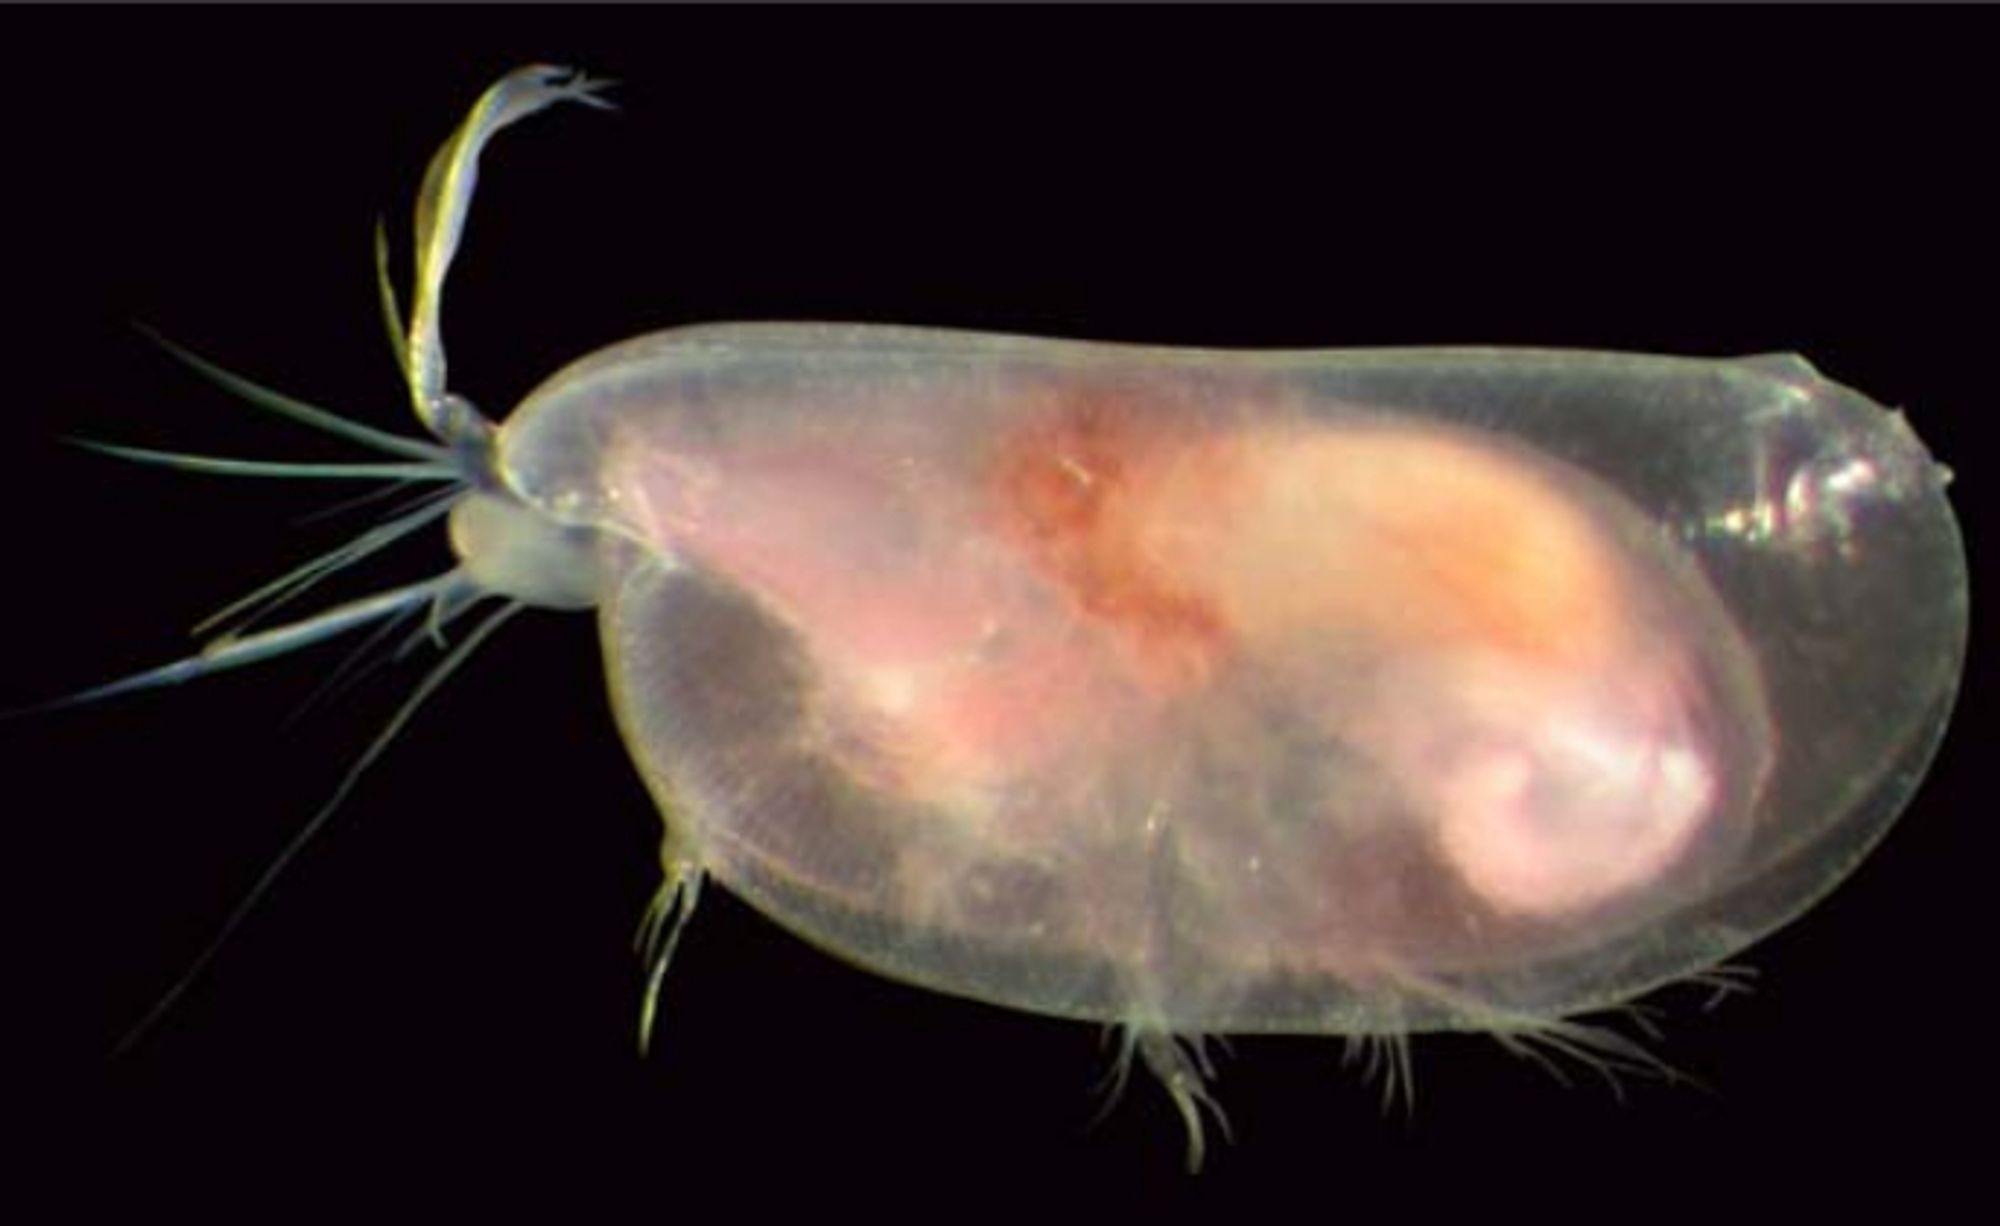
(1337, 692)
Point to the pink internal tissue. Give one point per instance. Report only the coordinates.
(1099, 584)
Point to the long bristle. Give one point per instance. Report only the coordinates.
(299, 411)
(230, 466)
(230, 652)
(298, 842)
(295, 582)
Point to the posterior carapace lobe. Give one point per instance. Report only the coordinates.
(1197, 692)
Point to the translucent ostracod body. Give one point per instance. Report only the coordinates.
(1301, 692)
(1357, 693)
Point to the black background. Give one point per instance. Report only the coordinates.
(440, 996)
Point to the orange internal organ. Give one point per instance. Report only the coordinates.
(1079, 494)
(1417, 540)
(1187, 542)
